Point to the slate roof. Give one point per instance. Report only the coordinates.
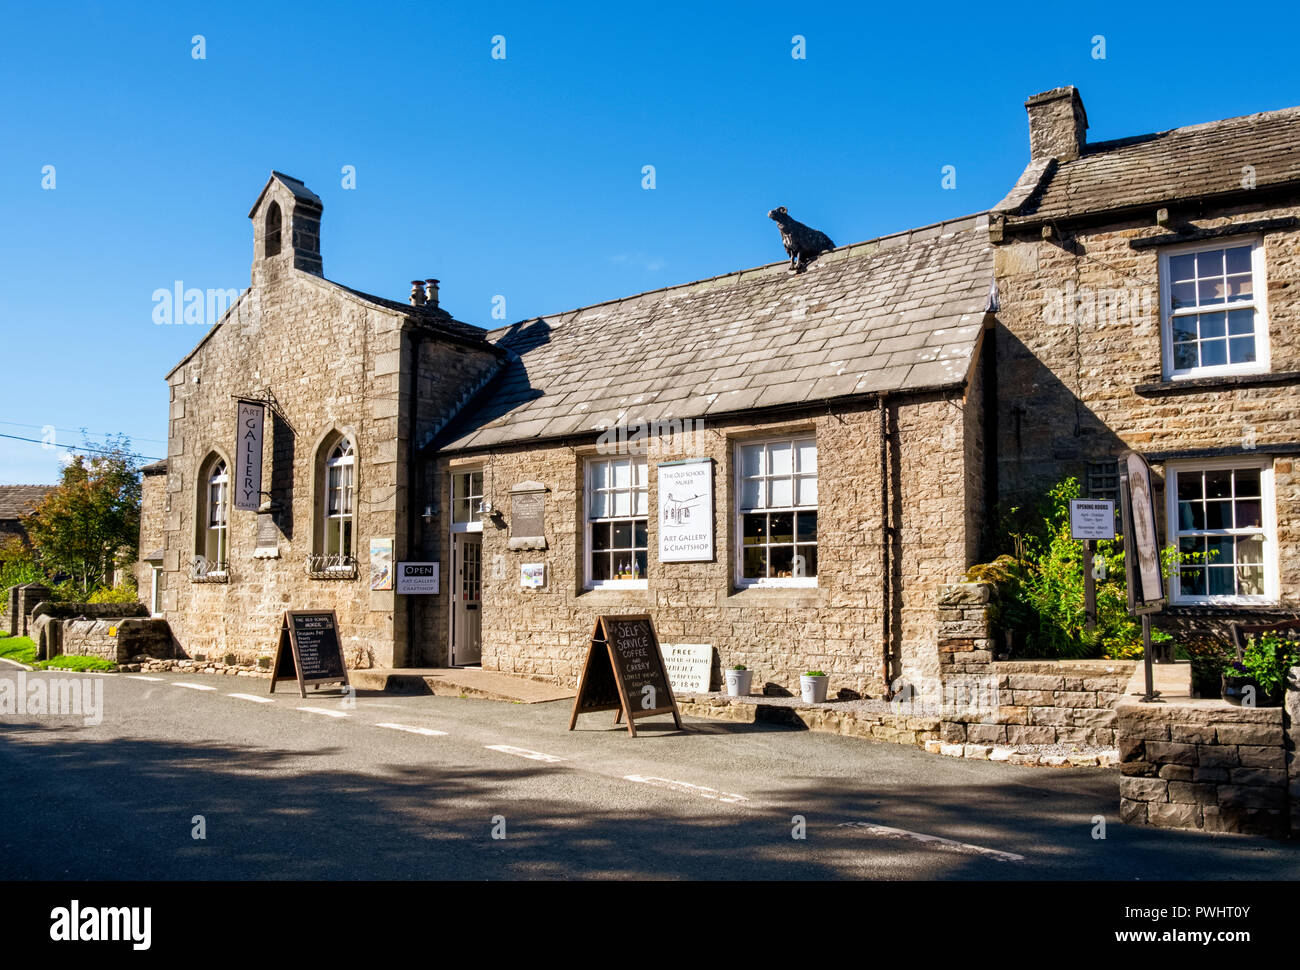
(899, 313)
(1195, 162)
(19, 500)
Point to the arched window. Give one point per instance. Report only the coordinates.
(214, 546)
(340, 490)
(272, 237)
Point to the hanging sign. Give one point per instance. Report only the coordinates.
(309, 650)
(625, 672)
(248, 456)
(686, 510)
(1146, 589)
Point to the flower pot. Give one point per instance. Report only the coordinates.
(814, 688)
(1233, 688)
(739, 682)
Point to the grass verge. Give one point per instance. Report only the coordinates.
(22, 649)
(65, 662)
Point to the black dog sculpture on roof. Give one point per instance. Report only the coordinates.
(802, 243)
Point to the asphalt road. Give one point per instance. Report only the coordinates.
(292, 793)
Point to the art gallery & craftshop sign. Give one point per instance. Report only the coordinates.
(686, 510)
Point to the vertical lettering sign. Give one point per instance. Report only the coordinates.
(248, 457)
(686, 510)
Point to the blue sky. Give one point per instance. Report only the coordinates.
(519, 177)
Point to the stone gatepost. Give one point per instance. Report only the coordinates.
(965, 646)
(28, 597)
(11, 610)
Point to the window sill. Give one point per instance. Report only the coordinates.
(1190, 385)
(791, 596)
(1223, 608)
(615, 595)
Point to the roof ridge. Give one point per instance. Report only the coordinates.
(973, 218)
(1112, 143)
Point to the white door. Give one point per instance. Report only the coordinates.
(467, 590)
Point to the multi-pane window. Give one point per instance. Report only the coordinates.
(1103, 480)
(618, 502)
(1213, 315)
(776, 489)
(215, 518)
(466, 497)
(1220, 522)
(340, 490)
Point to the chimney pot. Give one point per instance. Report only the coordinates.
(1057, 124)
(417, 292)
(431, 293)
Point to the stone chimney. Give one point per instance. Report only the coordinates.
(417, 292)
(1057, 125)
(431, 294)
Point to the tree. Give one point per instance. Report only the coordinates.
(81, 525)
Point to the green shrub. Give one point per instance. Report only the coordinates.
(1268, 658)
(124, 593)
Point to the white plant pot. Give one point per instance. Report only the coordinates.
(739, 682)
(814, 688)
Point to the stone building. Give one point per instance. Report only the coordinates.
(16, 502)
(785, 467)
(1150, 300)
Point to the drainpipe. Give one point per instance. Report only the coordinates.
(886, 538)
(413, 398)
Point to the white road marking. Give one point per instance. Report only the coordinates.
(894, 833)
(192, 686)
(322, 710)
(252, 697)
(427, 732)
(141, 677)
(523, 753)
(687, 787)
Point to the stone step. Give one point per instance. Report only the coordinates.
(457, 682)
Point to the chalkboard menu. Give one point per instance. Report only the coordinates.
(309, 650)
(624, 672)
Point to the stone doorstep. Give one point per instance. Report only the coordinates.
(458, 682)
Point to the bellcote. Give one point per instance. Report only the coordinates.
(286, 228)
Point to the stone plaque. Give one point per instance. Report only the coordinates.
(268, 537)
(528, 516)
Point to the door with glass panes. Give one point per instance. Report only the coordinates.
(467, 588)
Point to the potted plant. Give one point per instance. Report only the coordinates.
(813, 686)
(1258, 676)
(739, 680)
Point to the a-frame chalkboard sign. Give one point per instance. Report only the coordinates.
(309, 650)
(625, 672)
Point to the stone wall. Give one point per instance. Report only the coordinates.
(777, 633)
(102, 634)
(1204, 764)
(1018, 703)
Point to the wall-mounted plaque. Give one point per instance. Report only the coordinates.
(381, 564)
(268, 537)
(528, 516)
(532, 575)
(689, 665)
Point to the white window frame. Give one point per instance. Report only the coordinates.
(155, 589)
(216, 527)
(1258, 302)
(347, 459)
(1268, 515)
(588, 491)
(738, 478)
(475, 524)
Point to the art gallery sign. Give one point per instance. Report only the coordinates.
(248, 457)
(686, 510)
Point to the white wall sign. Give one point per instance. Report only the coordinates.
(1092, 518)
(532, 575)
(686, 510)
(417, 578)
(248, 457)
(689, 665)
